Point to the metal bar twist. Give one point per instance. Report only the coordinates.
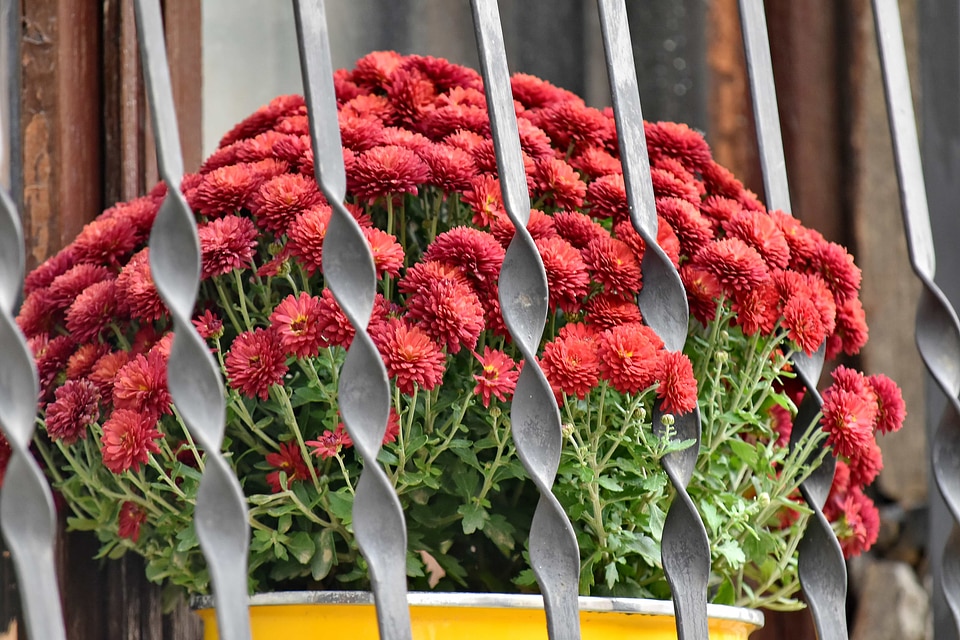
(27, 517)
(534, 415)
(195, 384)
(937, 329)
(685, 548)
(363, 395)
(820, 564)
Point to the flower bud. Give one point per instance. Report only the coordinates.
(764, 499)
(566, 429)
(722, 357)
(667, 420)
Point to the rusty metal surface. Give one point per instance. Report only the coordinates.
(195, 384)
(363, 394)
(937, 329)
(534, 415)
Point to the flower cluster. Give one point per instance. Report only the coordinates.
(423, 187)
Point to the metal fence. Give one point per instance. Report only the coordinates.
(27, 515)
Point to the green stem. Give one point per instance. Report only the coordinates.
(227, 306)
(280, 394)
(242, 297)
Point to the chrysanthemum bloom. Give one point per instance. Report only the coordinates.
(572, 364)
(867, 464)
(677, 388)
(567, 275)
(49, 269)
(862, 522)
(476, 253)
(226, 244)
(334, 327)
(387, 252)
(375, 69)
(760, 232)
(628, 357)
(65, 288)
(718, 210)
(296, 321)
(676, 140)
(758, 311)
(485, 199)
(851, 331)
(400, 137)
(836, 267)
(668, 185)
(129, 437)
(891, 410)
(73, 410)
(371, 105)
(135, 287)
(412, 358)
(533, 92)
(692, 229)
(306, 234)
(93, 310)
(607, 196)
(606, 310)
(449, 312)
(539, 226)
(130, 519)
(81, 363)
(803, 325)
(613, 264)
(559, 184)
(387, 170)
(360, 132)
(680, 172)
(225, 190)
(289, 461)
(422, 273)
(703, 291)
(594, 162)
(255, 363)
(105, 372)
(735, 264)
(208, 325)
(330, 443)
(263, 118)
(803, 242)
(51, 361)
(36, 315)
(574, 126)
(141, 385)
(106, 241)
(411, 93)
(848, 419)
(451, 169)
(577, 228)
(280, 199)
(498, 376)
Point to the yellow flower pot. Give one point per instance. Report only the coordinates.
(443, 616)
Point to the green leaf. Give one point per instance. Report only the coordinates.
(647, 547)
(187, 538)
(307, 394)
(609, 483)
(82, 524)
(725, 593)
(325, 555)
(610, 574)
(467, 483)
(711, 517)
(474, 517)
(468, 455)
(341, 505)
(731, 551)
(284, 523)
(301, 546)
(414, 566)
(500, 532)
(744, 450)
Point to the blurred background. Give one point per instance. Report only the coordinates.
(81, 142)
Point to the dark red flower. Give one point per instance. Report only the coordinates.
(674, 140)
(93, 310)
(476, 253)
(497, 378)
(255, 363)
(735, 264)
(572, 363)
(677, 388)
(136, 289)
(388, 170)
(81, 363)
(614, 265)
(891, 410)
(760, 232)
(107, 241)
(66, 287)
(558, 184)
(608, 197)
(451, 168)
(48, 270)
(449, 312)
(105, 372)
(330, 443)
(306, 234)
(485, 199)
(73, 410)
(225, 190)
(577, 228)
(296, 321)
(226, 244)
(129, 437)
(141, 385)
(412, 358)
(387, 252)
(629, 357)
(289, 461)
(567, 278)
(130, 519)
(606, 310)
(282, 198)
(848, 419)
(692, 229)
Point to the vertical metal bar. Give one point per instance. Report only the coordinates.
(823, 573)
(937, 330)
(363, 395)
(10, 177)
(685, 548)
(554, 554)
(220, 516)
(27, 516)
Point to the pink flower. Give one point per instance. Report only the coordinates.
(255, 363)
(497, 378)
(129, 437)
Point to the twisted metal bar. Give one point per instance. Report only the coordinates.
(534, 415)
(685, 548)
(195, 384)
(364, 392)
(937, 330)
(27, 517)
(823, 573)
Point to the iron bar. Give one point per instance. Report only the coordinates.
(534, 415)
(220, 515)
(937, 329)
(363, 395)
(685, 548)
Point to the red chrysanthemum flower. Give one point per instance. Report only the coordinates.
(451, 168)
(862, 522)
(141, 385)
(802, 322)
(330, 443)
(572, 363)
(485, 199)
(449, 312)
(629, 357)
(891, 410)
(718, 210)
(369, 104)
(412, 358)
(851, 330)
(476, 253)
(106, 241)
(533, 92)
(866, 465)
(334, 327)
(703, 290)
(74, 409)
(289, 461)
(608, 197)
(677, 387)
(225, 190)
(387, 252)
(836, 267)
(803, 242)
(614, 265)
(567, 278)
(388, 170)
(66, 287)
(675, 140)
(360, 132)
(422, 273)
(81, 363)
(760, 232)
(93, 310)
(130, 519)
(539, 226)
(559, 184)
(129, 437)
(594, 162)
(48, 270)
(52, 358)
(692, 229)
(606, 310)
(848, 419)
(758, 311)
(375, 69)
(306, 234)
(666, 184)
(497, 378)
(255, 363)
(105, 372)
(577, 228)
(281, 198)
(136, 289)
(736, 265)
(263, 119)
(209, 325)
(226, 244)
(573, 126)
(296, 321)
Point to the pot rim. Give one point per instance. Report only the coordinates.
(490, 600)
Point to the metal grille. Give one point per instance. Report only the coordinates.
(26, 510)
